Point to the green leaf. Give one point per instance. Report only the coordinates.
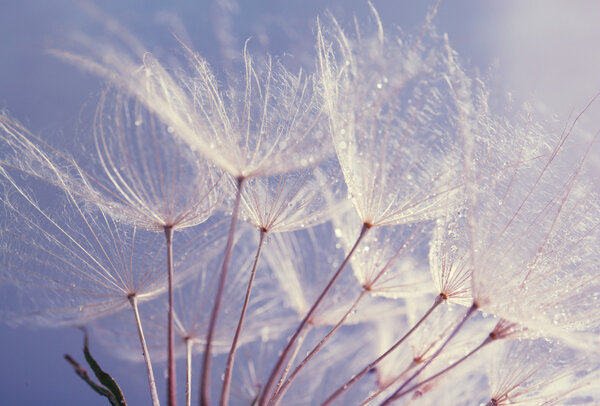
(104, 378)
(107, 386)
(83, 374)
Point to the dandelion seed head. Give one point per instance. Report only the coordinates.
(295, 200)
(263, 121)
(534, 371)
(83, 267)
(143, 175)
(449, 259)
(533, 262)
(402, 109)
(197, 258)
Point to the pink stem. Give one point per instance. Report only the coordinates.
(466, 317)
(317, 348)
(231, 357)
(205, 380)
(147, 361)
(171, 382)
(266, 395)
(287, 368)
(488, 340)
(439, 299)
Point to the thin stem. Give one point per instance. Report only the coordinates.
(205, 378)
(439, 299)
(231, 357)
(148, 362)
(279, 394)
(188, 367)
(288, 366)
(286, 351)
(466, 317)
(384, 387)
(171, 383)
(485, 342)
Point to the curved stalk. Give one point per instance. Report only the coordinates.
(205, 378)
(385, 387)
(266, 395)
(439, 299)
(231, 356)
(147, 361)
(485, 342)
(287, 368)
(279, 394)
(171, 383)
(466, 317)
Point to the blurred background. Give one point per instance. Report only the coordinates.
(544, 51)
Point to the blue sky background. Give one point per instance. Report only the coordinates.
(545, 49)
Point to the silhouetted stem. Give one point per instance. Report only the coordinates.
(231, 357)
(188, 368)
(466, 317)
(205, 377)
(439, 299)
(279, 394)
(147, 361)
(488, 340)
(171, 384)
(266, 395)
